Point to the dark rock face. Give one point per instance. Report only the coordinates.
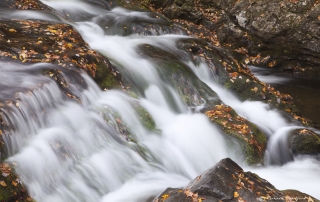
(226, 181)
(285, 34)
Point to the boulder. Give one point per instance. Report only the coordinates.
(226, 181)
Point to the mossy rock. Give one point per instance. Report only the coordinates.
(304, 142)
(252, 140)
(11, 188)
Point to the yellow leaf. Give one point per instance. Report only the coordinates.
(235, 194)
(2, 183)
(165, 196)
(12, 30)
(69, 45)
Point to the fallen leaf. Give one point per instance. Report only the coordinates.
(303, 131)
(14, 183)
(2, 183)
(188, 193)
(165, 196)
(235, 194)
(224, 123)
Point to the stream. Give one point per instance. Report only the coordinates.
(67, 151)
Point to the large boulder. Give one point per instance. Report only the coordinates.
(226, 181)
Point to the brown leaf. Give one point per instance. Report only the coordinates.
(2, 183)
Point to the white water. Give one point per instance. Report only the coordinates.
(69, 152)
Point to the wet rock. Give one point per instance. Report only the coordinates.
(304, 142)
(226, 181)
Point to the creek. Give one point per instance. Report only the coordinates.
(75, 151)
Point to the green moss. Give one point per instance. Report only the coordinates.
(305, 143)
(108, 82)
(145, 118)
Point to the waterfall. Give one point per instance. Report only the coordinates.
(78, 150)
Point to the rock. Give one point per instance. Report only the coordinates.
(24, 5)
(304, 142)
(30, 41)
(226, 181)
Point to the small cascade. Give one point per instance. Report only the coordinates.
(278, 150)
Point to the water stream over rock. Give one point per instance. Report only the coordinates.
(68, 150)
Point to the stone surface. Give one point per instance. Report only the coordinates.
(226, 181)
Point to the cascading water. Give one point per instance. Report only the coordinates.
(77, 149)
